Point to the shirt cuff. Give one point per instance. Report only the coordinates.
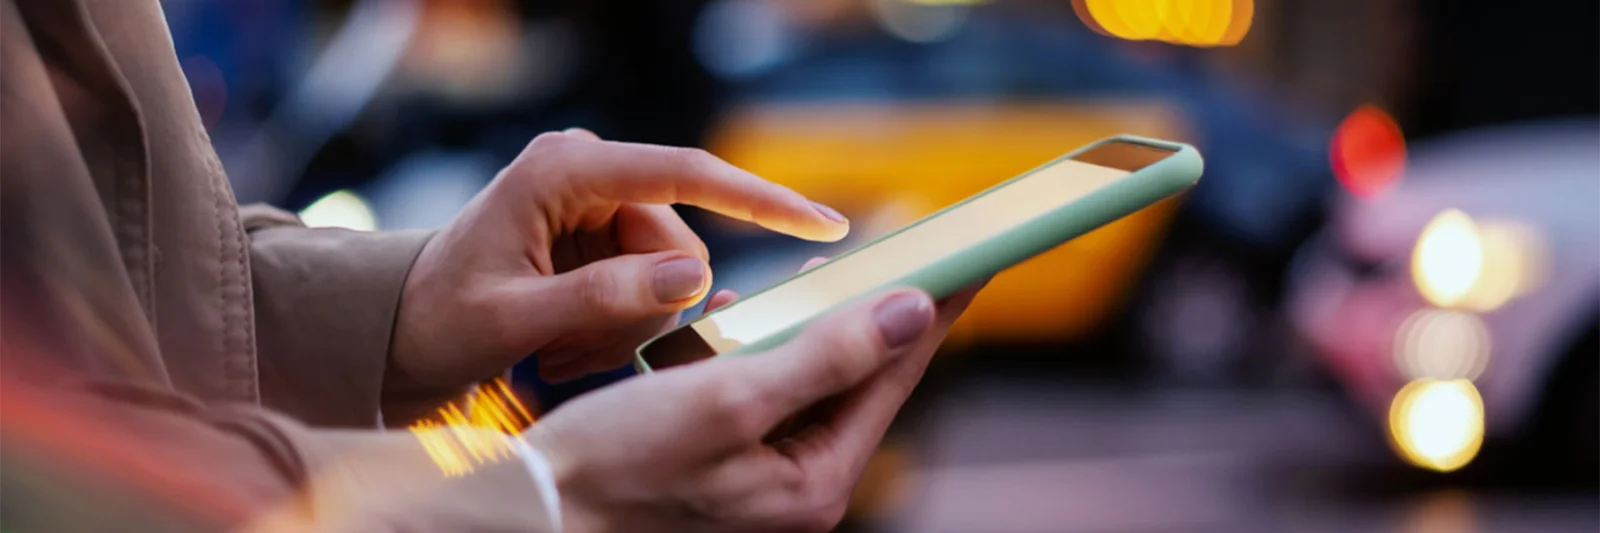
(544, 478)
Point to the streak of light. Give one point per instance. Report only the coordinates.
(454, 440)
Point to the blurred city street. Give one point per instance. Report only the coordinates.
(1025, 456)
(1377, 310)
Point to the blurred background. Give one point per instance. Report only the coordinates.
(1377, 312)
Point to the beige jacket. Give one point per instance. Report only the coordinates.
(172, 365)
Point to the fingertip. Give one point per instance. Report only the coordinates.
(813, 263)
(680, 280)
(720, 299)
(829, 213)
(903, 316)
(828, 225)
(833, 232)
(581, 133)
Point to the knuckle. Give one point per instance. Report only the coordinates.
(845, 356)
(695, 161)
(599, 292)
(549, 141)
(546, 157)
(496, 315)
(795, 483)
(737, 408)
(839, 368)
(695, 157)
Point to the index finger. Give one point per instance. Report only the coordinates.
(628, 172)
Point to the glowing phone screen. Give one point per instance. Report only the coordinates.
(937, 237)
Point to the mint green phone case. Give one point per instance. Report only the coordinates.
(1168, 177)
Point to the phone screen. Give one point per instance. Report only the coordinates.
(935, 238)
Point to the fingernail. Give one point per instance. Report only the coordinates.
(902, 318)
(676, 279)
(559, 356)
(829, 213)
(580, 131)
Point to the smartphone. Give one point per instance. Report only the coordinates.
(950, 249)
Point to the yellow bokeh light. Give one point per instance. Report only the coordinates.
(1188, 22)
(1219, 15)
(1461, 263)
(1105, 13)
(1437, 424)
(1513, 264)
(1177, 19)
(1442, 344)
(1139, 17)
(1081, 8)
(1240, 18)
(1200, 14)
(1448, 258)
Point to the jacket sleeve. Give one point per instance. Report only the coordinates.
(326, 301)
(123, 458)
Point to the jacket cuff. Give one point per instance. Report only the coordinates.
(326, 301)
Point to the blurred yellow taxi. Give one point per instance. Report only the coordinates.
(863, 156)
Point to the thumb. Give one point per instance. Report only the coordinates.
(837, 353)
(614, 292)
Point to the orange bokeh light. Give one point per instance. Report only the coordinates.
(1243, 14)
(1368, 152)
(1081, 7)
(1187, 22)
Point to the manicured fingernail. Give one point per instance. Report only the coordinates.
(559, 356)
(580, 132)
(829, 213)
(676, 279)
(902, 318)
(813, 263)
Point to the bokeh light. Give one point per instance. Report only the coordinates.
(742, 38)
(1442, 344)
(1437, 424)
(1240, 18)
(1514, 263)
(1187, 22)
(1368, 152)
(920, 22)
(1442, 511)
(340, 209)
(1448, 259)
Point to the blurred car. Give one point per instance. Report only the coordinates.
(1478, 276)
(895, 124)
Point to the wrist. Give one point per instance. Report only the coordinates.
(574, 515)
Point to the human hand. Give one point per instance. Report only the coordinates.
(574, 252)
(690, 448)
